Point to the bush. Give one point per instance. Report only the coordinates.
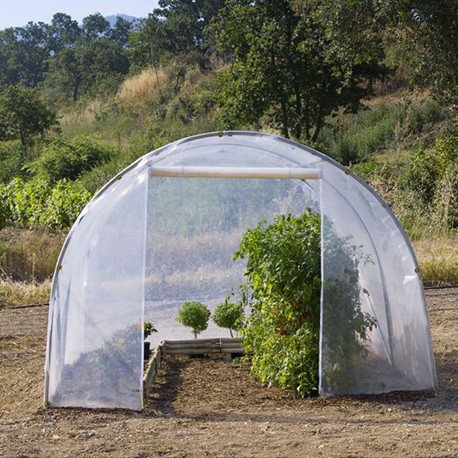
(195, 316)
(229, 315)
(38, 204)
(282, 331)
(62, 159)
(429, 183)
(421, 174)
(382, 127)
(11, 159)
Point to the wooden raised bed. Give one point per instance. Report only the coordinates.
(226, 346)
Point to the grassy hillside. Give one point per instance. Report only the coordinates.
(402, 143)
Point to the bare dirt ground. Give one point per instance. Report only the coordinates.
(202, 407)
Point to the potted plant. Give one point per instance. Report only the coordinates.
(148, 329)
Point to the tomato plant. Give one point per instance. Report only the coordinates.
(282, 331)
(283, 272)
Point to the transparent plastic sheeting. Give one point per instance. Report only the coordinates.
(369, 276)
(144, 245)
(95, 346)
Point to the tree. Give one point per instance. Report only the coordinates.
(25, 54)
(78, 68)
(426, 31)
(68, 70)
(285, 70)
(22, 114)
(195, 316)
(429, 30)
(63, 32)
(95, 26)
(229, 315)
(121, 31)
(8, 73)
(177, 28)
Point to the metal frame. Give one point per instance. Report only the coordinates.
(281, 173)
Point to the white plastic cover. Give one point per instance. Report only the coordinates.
(146, 244)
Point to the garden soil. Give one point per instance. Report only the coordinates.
(203, 407)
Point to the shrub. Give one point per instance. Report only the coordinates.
(431, 179)
(38, 204)
(64, 204)
(148, 329)
(421, 174)
(62, 159)
(282, 331)
(388, 126)
(229, 315)
(195, 316)
(12, 160)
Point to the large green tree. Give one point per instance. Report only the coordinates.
(424, 32)
(121, 31)
(176, 28)
(63, 32)
(24, 52)
(95, 26)
(22, 114)
(64, 56)
(88, 56)
(287, 71)
(8, 73)
(429, 31)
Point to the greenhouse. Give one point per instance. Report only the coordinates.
(165, 231)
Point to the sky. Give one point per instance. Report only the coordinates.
(15, 13)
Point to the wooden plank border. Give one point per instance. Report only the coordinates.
(152, 369)
(227, 346)
(203, 346)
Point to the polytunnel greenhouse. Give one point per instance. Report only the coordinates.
(165, 230)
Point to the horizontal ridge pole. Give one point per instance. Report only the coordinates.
(285, 173)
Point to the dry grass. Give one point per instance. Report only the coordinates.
(438, 259)
(84, 117)
(23, 293)
(27, 255)
(28, 258)
(140, 87)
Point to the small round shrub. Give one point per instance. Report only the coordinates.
(194, 315)
(229, 315)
